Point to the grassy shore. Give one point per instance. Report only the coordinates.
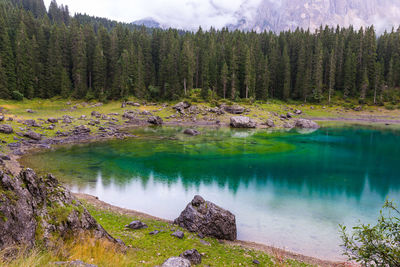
(145, 249)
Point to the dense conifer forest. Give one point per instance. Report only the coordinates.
(51, 53)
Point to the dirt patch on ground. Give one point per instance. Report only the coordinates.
(276, 252)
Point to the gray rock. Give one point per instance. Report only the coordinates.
(178, 234)
(192, 132)
(33, 135)
(288, 125)
(156, 120)
(129, 114)
(30, 111)
(1, 117)
(130, 103)
(136, 225)
(95, 114)
(205, 217)
(270, 123)
(298, 112)
(52, 120)
(192, 255)
(81, 129)
(176, 262)
(155, 232)
(306, 124)
(242, 122)
(235, 109)
(182, 105)
(123, 105)
(31, 123)
(289, 115)
(67, 120)
(146, 113)
(7, 129)
(256, 262)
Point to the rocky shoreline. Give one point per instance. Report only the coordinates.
(31, 141)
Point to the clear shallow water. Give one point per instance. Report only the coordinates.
(289, 190)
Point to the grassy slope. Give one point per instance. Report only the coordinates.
(145, 249)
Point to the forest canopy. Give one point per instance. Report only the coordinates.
(51, 53)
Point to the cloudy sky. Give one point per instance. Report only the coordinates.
(187, 14)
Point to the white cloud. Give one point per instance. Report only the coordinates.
(187, 14)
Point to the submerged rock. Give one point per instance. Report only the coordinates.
(192, 132)
(205, 217)
(176, 262)
(192, 255)
(242, 122)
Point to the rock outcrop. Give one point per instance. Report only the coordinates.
(208, 219)
(242, 122)
(36, 208)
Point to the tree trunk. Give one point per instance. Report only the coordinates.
(184, 85)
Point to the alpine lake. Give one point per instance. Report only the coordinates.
(288, 189)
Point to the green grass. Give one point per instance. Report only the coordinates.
(143, 249)
(155, 249)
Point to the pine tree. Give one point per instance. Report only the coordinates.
(24, 62)
(224, 78)
(317, 71)
(286, 73)
(332, 74)
(7, 61)
(99, 71)
(79, 61)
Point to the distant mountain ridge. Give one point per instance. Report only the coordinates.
(280, 15)
(148, 22)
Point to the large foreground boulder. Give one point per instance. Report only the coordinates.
(306, 124)
(208, 219)
(36, 208)
(242, 122)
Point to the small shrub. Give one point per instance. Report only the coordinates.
(375, 245)
(16, 95)
(390, 107)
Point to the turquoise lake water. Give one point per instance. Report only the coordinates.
(287, 189)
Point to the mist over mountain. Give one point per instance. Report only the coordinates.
(280, 15)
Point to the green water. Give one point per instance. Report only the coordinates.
(287, 189)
